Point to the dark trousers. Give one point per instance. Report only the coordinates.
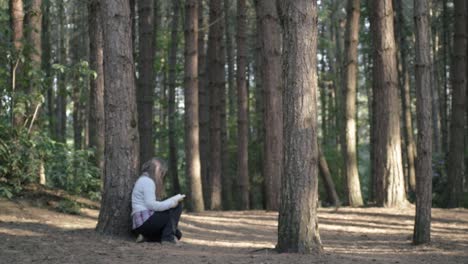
(161, 226)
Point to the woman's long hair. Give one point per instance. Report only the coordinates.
(156, 169)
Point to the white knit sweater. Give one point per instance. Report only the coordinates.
(144, 196)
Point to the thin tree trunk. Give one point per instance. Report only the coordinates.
(242, 106)
(203, 97)
(445, 90)
(409, 146)
(172, 100)
(35, 55)
(350, 82)
(230, 63)
(145, 89)
(298, 222)
(76, 87)
(227, 179)
(215, 83)
(423, 68)
(122, 139)
(46, 66)
(17, 25)
(456, 156)
(387, 163)
(62, 88)
(325, 174)
(96, 95)
(192, 150)
(270, 35)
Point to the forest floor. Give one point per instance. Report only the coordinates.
(32, 230)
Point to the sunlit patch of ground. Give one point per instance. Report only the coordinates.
(37, 234)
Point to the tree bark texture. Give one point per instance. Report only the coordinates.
(386, 163)
(96, 95)
(192, 150)
(270, 48)
(145, 89)
(122, 140)
(423, 69)
(350, 86)
(17, 25)
(298, 222)
(242, 106)
(215, 82)
(456, 156)
(174, 42)
(409, 146)
(204, 108)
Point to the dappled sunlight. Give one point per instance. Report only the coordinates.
(18, 232)
(228, 243)
(353, 234)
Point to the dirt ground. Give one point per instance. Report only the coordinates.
(32, 232)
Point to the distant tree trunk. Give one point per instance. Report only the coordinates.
(174, 42)
(96, 95)
(328, 183)
(17, 25)
(445, 89)
(409, 146)
(47, 66)
(76, 88)
(203, 97)
(61, 104)
(437, 146)
(387, 164)
(270, 49)
(230, 62)
(298, 222)
(122, 139)
(145, 89)
(192, 150)
(242, 113)
(227, 179)
(215, 83)
(423, 69)
(35, 55)
(350, 83)
(456, 156)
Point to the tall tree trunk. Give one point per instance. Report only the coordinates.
(350, 75)
(298, 222)
(387, 163)
(423, 69)
(215, 83)
(46, 66)
(230, 63)
(61, 104)
(203, 108)
(17, 25)
(269, 32)
(145, 89)
(96, 94)
(122, 139)
(445, 89)
(74, 40)
(409, 146)
(456, 156)
(35, 55)
(174, 42)
(192, 150)
(242, 106)
(227, 179)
